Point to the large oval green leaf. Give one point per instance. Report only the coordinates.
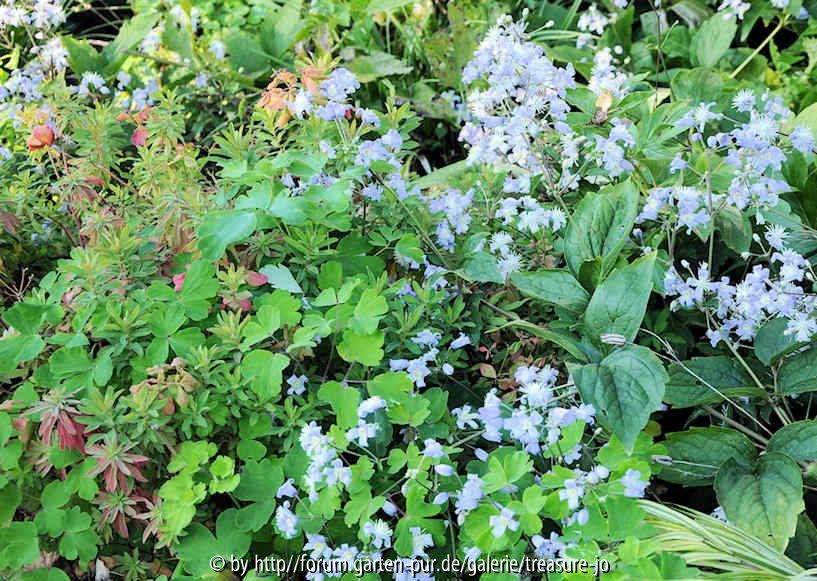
(797, 440)
(763, 499)
(698, 453)
(798, 374)
(555, 286)
(600, 225)
(772, 343)
(222, 228)
(625, 388)
(619, 303)
(705, 380)
(711, 41)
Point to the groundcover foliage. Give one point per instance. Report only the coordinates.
(410, 290)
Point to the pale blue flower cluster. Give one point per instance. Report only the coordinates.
(518, 98)
(325, 467)
(741, 309)
(754, 152)
(536, 420)
(42, 15)
(41, 18)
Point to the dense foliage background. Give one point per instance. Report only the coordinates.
(378, 282)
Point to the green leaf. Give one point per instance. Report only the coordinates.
(6, 427)
(199, 286)
(77, 521)
(265, 372)
(219, 229)
(279, 276)
(10, 497)
(265, 322)
(365, 349)
(250, 449)
(69, 361)
(442, 175)
(290, 209)
(408, 247)
(565, 340)
(808, 118)
(735, 229)
(692, 12)
(704, 380)
(414, 412)
(478, 530)
(553, 286)
(698, 453)
(19, 545)
(393, 387)
(178, 37)
(60, 458)
(103, 367)
(253, 517)
(417, 514)
(798, 373)
(27, 318)
(619, 303)
(712, 40)
(696, 85)
(625, 388)
(803, 546)
(344, 401)
(287, 305)
(763, 499)
(55, 494)
(180, 495)
(45, 575)
(166, 320)
(86, 488)
(50, 521)
(375, 6)
(772, 343)
(482, 267)
(199, 546)
(361, 507)
(191, 455)
(507, 471)
(82, 56)
(600, 225)
(281, 28)
(132, 32)
(376, 65)
(79, 541)
(403, 408)
(369, 310)
(620, 30)
(797, 440)
(257, 479)
(245, 53)
(224, 478)
(184, 341)
(16, 349)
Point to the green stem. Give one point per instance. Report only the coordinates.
(760, 47)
